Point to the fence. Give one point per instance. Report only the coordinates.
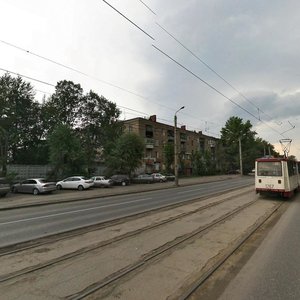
(29, 171)
(40, 171)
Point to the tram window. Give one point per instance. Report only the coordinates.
(269, 168)
(292, 168)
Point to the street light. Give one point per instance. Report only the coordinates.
(175, 147)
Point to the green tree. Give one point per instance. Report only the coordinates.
(63, 106)
(127, 154)
(198, 166)
(169, 155)
(99, 126)
(66, 153)
(234, 130)
(19, 119)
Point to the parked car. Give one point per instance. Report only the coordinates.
(100, 181)
(75, 182)
(34, 186)
(169, 177)
(233, 172)
(4, 187)
(159, 177)
(120, 180)
(143, 178)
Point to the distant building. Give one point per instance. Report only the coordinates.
(156, 135)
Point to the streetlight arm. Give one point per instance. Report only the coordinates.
(179, 110)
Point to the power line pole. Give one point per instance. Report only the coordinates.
(176, 147)
(240, 151)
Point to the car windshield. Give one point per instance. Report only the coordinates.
(42, 180)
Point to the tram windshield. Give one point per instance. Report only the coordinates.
(269, 168)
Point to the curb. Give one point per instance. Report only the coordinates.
(49, 202)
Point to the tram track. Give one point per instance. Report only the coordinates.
(126, 279)
(102, 244)
(148, 258)
(109, 266)
(197, 284)
(43, 241)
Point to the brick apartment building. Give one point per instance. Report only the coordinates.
(156, 135)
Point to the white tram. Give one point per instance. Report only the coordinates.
(277, 175)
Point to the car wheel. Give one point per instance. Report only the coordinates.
(123, 183)
(35, 192)
(59, 187)
(80, 188)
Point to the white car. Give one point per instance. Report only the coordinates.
(75, 182)
(159, 177)
(100, 181)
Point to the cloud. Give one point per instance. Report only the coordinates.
(253, 45)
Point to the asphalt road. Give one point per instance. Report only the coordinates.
(273, 272)
(25, 224)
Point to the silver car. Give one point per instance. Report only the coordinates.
(34, 186)
(100, 181)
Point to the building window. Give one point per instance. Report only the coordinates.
(149, 131)
(183, 136)
(201, 146)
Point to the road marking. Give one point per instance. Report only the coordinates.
(74, 211)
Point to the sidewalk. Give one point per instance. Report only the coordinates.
(26, 200)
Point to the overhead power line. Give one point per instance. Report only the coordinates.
(90, 76)
(216, 73)
(30, 78)
(134, 24)
(147, 7)
(70, 68)
(50, 84)
(213, 88)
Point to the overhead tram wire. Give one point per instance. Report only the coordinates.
(134, 24)
(147, 7)
(213, 88)
(216, 73)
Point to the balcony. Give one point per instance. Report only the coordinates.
(149, 143)
(149, 160)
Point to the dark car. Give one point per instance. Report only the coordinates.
(120, 179)
(34, 186)
(143, 178)
(4, 187)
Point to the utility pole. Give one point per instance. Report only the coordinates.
(176, 147)
(241, 160)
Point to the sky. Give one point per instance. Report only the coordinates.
(217, 58)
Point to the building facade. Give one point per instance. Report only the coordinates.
(156, 135)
